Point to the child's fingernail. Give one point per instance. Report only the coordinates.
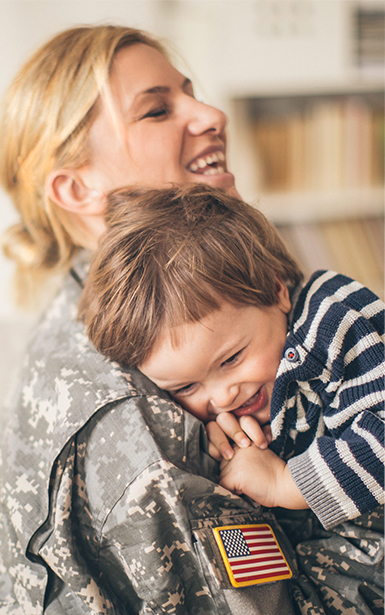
(228, 454)
(244, 442)
(263, 445)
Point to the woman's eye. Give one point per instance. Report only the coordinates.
(158, 112)
(233, 358)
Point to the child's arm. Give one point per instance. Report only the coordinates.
(242, 432)
(263, 476)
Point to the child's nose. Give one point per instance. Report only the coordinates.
(223, 398)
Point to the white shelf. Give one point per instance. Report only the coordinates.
(297, 208)
(357, 84)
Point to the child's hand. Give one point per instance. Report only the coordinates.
(243, 432)
(219, 446)
(263, 476)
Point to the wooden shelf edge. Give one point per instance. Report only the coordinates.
(344, 87)
(294, 208)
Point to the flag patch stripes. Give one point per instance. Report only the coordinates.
(251, 554)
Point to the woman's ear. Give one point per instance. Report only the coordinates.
(283, 296)
(68, 190)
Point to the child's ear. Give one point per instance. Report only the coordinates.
(283, 296)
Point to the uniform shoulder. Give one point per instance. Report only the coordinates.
(63, 371)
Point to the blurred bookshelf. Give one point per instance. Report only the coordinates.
(320, 143)
(315, 152)
(369, 35)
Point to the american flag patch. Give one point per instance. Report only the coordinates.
(251, 554)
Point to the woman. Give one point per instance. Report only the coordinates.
(109, 498)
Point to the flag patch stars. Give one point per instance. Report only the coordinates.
(251, 554)
(234, 543)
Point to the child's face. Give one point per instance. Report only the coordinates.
(227, 362)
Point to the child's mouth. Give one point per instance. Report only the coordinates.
(255, 403)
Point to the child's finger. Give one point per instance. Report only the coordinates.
(225, 462)
(232, 429)
(256, 433)
(218, 442)
(213, 452)
(267, 431)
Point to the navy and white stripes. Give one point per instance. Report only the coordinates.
(327, 407)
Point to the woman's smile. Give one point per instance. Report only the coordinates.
(211, 162)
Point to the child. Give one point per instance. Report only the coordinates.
(197, 290)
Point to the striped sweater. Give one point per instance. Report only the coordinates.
(327, 406)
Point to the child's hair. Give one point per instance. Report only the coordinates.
(46, 117)
(171, 257)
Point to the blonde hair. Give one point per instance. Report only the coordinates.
(171, 257)
(47, 113)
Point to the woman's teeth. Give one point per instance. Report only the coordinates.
(208, 165)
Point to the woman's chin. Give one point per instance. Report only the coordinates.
(225, 181)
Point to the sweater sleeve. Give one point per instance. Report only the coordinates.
(341, 473)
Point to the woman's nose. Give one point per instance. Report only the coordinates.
(203, 118)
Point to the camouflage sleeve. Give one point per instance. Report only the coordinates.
(131, 531)
(8, 602)
(147, 541)
(158, 537)
(146, 521)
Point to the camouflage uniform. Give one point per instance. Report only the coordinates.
(108, 496)
(341, 571)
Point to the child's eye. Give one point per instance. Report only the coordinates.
(183, 390)
(233, 358)
(158, 112)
